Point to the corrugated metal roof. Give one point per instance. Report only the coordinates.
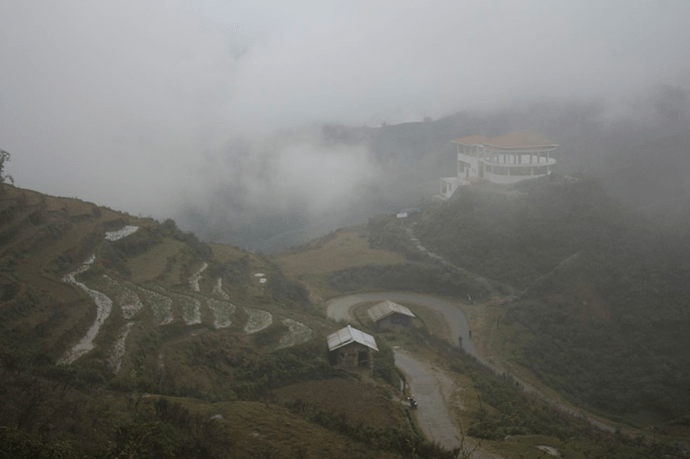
(386, 308)
(348, 335)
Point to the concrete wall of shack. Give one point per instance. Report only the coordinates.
(352, 356)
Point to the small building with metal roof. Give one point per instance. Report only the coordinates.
(388, 315)
(351, 349)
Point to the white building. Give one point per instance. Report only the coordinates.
(502, 160)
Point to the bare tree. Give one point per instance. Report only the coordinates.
(4, 157)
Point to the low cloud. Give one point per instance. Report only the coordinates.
(128, 103)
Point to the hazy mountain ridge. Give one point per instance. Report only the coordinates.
(405, 161)
(606, 327)
(652, 174)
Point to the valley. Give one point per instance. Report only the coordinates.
(167, 328)
(344, 230)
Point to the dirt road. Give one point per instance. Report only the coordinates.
(339, 309)
(423, 380)
(432, 412)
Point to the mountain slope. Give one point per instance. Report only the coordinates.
(124, 336)
(608, 327)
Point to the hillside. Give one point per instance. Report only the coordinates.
(603, 311)
(651, 174)
(124, 336)
(642, 157)
(354, 259)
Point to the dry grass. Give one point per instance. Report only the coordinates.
(263, 430)
(73, 207)
(153, 262)
(360, 402)
(483, 320)
(344, 249)
(434, 321)
(225, 253)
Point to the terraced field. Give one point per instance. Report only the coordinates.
(166, 305)
(103, 312)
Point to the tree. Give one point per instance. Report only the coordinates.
(4, 157)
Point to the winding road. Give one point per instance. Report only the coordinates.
(432, 412)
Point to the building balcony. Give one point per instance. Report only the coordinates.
(512, 159)
(508, 174)
(518, 161)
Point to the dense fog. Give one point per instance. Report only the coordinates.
(261, 124)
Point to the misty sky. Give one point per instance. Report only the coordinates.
(132, 103)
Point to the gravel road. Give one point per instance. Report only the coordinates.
(432, 412)
(339, 309)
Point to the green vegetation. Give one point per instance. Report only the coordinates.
(403, 443)
(299, 363)
(505, 412)
(384, 364)
(48, 408)
(270, 334)
(609, 326)
(388, 232)
(168, 228)
(146, 428)
(282, 288)
(516, 240)
(4, 158)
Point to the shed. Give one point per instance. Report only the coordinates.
(350, 348)
(388, 315)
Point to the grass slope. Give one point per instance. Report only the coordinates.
(313, 263)
(201, 370)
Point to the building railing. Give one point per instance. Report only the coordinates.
(512, 161)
